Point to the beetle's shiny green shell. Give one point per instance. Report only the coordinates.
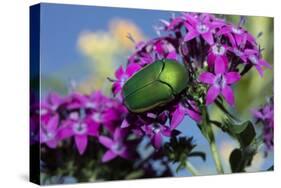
(155, 85)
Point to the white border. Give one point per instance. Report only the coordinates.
(14, 56)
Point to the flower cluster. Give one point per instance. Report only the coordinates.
(203, 41)
(264, 115)
(215, 52)
(80, 117)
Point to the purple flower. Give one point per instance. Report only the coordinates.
(200, 26)
(80, 128)
(49, 107)
(256, 60)
(217, 53)
(265, 115)
(116, 146)
(219, 83)
(237, 35)
(155, 131)
(180, 111)
(123, 75)
(48, 132)
(154, 127)
(174, 24)
(165, 50)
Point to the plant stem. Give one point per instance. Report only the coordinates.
(191, 168)
(209, 134)
(216, 157)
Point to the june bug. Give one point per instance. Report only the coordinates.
(155, 85)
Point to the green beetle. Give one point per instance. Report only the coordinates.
(155, 85)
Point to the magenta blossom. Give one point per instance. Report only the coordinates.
(180, 111)
(123, 75)
(217, 53)
(265, 115)
(155, 128)
(237, 35)
(200, 26)
(219, 83)
(257, 61)
(48, 132)
(49, 107)
(80, 128)
(116, 146)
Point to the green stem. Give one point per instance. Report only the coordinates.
(216, 157)
(209, 133)
(191, 168)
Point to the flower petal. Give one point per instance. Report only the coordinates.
(81, 143)
(219, 65)
(259, 69)
(212, 94)
(208, 37)
(125, 154)
(177, 117)
(53, 123)
(156, 140)
(107, 142)
(108, 156)
(191, 34)
(232, 77)
(265, 64)
(228, 95)
(65, 132)
(52, 144)
(132, 68)
(119, 72)
(207, 77)
(194, 115)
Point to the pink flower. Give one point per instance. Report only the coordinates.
(219, 83)
(49, 107)
(80, 129)
(123, 75)
(180, 111)
(200, 26)
(48, 132)
(255, 59)
(237, 35)
(217, 53)
(116, 146)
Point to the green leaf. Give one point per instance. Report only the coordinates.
(236, 159)
(241, 158)
(244, 132)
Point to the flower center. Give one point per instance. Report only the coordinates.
(97, 117)
(80, 128)
(220, 81)
(50, 135)
(123, 79)
(202, 28)
(74, 115)
(118, 147)
(218, 49)
(236, 30)
(91, 105)
(254, 59)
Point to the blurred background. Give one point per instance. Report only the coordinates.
(81, 46)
